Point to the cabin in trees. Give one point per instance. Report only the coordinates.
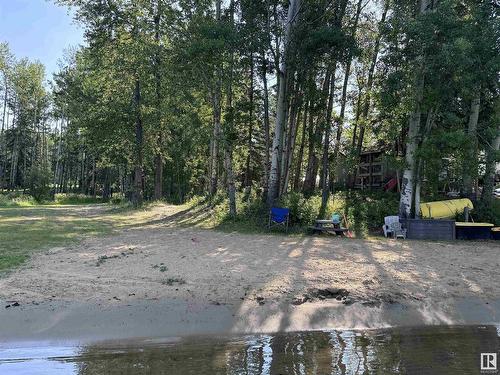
(373, 171)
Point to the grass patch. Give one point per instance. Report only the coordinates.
(27, 230)
(75, 199)
(19, 199)
(14, 199)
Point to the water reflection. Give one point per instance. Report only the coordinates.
(423, 350)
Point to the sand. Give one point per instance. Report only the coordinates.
(243, 273)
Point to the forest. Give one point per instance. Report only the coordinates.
(262, 101)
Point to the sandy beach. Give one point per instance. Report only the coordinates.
(264, 282)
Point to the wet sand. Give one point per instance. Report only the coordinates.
(83, 323)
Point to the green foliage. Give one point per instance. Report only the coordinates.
(303, 210)
(487, 213)
(16, 199)
(67, 198)
(364, 211)
(39, 181)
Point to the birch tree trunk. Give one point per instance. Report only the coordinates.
(274, 185)
(491, 163)
(408, 179)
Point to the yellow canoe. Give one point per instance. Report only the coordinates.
(444, 209)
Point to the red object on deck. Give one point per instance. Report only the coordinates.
(390, 184)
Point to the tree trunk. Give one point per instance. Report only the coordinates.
(158, 190)
(216, 102)
(138, 167)
(274, 182)
(15, 151)
(470, 170)
(298, 168)
(106, 189)
(343, 100)
(369, 83)
(248, 177)
(94, 179)
(267, 137)
(228, 146)
(408, 182)
(295, 120)
(58, 158)
(2, 141)
(408, 179)
(325, 167)
(491, 163)
(289, 115)
(315, 139)
(314, 136)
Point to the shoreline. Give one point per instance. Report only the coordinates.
(81, 323)
(162, 280)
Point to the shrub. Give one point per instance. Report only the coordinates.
(39, 180)
(13, 199)
(488, 212)
(303, 211)
(68, 198)
(364, 211)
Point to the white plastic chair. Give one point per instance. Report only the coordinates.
(398, 231)
(388, 227)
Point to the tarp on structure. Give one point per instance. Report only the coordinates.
(445, 209)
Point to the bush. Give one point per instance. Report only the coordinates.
(303, 211)
(117, 199)
(364, 211)
(488, 212)
(14, 199)
(71, 198)
(39, 180)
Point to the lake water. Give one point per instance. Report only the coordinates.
(421, 350)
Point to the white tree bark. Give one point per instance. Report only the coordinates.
(491, 164)
(408, 180)
(274, 174)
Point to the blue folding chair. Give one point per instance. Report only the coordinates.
(279, 216)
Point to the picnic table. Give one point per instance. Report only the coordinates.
(328, 226)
